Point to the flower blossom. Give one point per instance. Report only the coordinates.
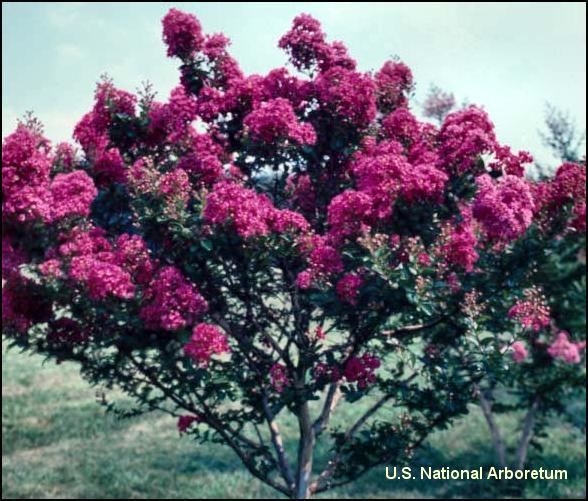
(275, 122)
(184, 422)
(171, 302)
(206, 340)
(565, 349)
(518, 352)
(532, 312)
(361, 370)
(504, 207)
(71, 195)
(182, 34)
(393, 83)
(348, 288)
(279, 377)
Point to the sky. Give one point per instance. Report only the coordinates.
(511, 58)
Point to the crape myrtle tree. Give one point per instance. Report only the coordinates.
(294, 244)
(541, 377)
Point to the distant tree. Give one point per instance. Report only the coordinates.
(438, 104)
(561, 135)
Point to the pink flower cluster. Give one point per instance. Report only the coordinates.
(401, 125)
(102, 278)
(109, 167)
(568, 187)
(103, 268)
(25, 176)
(348, 288)
(275, 122)
(361, 370)
(170, 302)
(71, 195)
(423, 182)
(279, 377)
(175, 188)
(464, 136)
(65, 157)
(91, 132)
(518, 352)
(347, 94)
(324, 260)
(394, 82)
(207, 340)
(171, 121)
(508, 162)
(306, 45)
(457, 243)
(504, 207)
(249, 213)
(565, 349)
(532, 312)
(182, 34)
(202, 161)
(385, 173)
(133, 255)
(377, 173)
(348, 212)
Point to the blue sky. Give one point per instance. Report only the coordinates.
(509, 57)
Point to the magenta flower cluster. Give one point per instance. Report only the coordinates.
(519, 352)
(171, 302)
(361, 370)
(279, 379)
(275, 122)
(532, 312)
(182, 34)
(348, 288)
(566, 350)
(505, 207)
(249, 213)
(28, 191)
(207, 340)
(308, 49)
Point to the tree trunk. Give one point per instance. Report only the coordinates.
(305, 453)
(527, 434)
(497, 440)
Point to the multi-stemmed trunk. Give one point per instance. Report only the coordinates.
(496, 434)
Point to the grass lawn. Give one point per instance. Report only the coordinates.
(58, 442)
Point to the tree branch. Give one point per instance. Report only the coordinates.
(495, 433)
(331, 401)
(284, 464)
(527, 433)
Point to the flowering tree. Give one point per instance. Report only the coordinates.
(287, 244)
(543, 376)
(553, 303)
(438, 104)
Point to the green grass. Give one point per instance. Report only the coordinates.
(57, 442)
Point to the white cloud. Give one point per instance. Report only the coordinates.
(68, 51)
(63, 14)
